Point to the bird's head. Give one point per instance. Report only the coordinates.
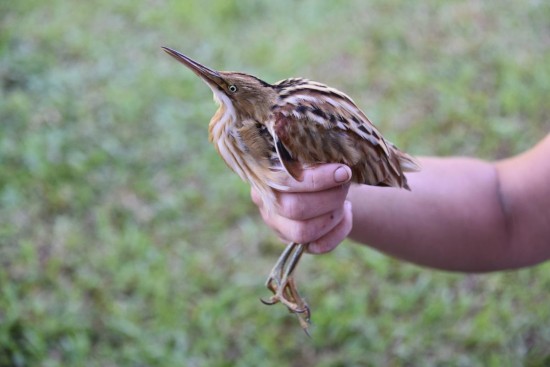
(249, 96)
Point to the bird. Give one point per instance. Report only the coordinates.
(269, 133)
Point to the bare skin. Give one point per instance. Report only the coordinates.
(462, 214)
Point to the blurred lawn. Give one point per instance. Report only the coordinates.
(125, 241)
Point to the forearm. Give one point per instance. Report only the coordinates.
(452, 219)
(462, 214)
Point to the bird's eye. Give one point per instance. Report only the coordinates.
(232, 88)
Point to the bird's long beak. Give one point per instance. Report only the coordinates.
(211, 77)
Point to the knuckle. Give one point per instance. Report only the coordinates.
(255, 197)
(348, 227)
(348, 218)
(317, 177)
(337, 216)
(266, 218)
(315, 181)
(264, 215)
(269, 219)
(292, 207)
(301, 233)
(282, 236)
(320, 177)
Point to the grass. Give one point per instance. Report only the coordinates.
(125, 241)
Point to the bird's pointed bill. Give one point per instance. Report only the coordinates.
(211, 77)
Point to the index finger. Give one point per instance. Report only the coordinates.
(319, 178)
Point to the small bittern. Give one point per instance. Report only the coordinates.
(267, 132)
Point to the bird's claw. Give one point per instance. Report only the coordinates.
(284, 289)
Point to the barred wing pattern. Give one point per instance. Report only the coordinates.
(305, 134)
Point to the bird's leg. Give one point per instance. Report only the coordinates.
(277, 282)
(277, 271)
(303, 314)
(282, 284)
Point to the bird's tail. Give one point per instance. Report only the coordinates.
(408, 163)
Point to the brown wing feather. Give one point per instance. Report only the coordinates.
(310, 136)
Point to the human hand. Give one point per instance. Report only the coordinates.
(313, 211)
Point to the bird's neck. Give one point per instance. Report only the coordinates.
(223, 120)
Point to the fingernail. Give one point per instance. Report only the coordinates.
(342, 174)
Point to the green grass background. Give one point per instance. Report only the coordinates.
(125, 241)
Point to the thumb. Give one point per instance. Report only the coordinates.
(320, 177)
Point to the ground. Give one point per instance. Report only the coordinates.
(125, 241)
